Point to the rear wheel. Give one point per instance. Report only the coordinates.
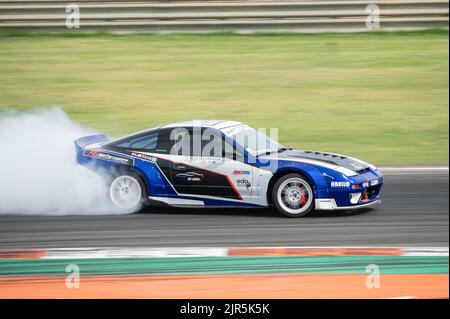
(127, 192)
(293, 196)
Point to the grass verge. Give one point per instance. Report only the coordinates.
(382, 97)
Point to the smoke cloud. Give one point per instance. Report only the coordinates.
(38, 172)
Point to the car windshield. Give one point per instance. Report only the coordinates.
(254, 141)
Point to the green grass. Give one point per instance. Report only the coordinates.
(228, 265)
(380, 97)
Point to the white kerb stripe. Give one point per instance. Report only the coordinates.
(425, 251)
(64, 253)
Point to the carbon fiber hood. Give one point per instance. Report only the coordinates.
(329, 158)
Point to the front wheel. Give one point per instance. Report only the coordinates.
(293, 196)
(127, 192)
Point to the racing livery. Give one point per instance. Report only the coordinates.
(225, 163)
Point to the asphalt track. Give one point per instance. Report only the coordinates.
(414, 212)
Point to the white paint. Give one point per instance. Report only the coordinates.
(426, 251)
(337, 168)
(177, 201)
(157, 252)
(132, 252)
(330, 204)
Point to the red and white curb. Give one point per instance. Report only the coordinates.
(166, 252)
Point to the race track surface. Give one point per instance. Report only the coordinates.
(414, 212)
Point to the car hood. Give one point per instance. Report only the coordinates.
(329, 160)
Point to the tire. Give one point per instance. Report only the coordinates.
(127, 191)
(293, 195)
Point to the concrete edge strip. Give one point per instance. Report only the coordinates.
(171, 252)
(414, 169)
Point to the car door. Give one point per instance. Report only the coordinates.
(209, 172)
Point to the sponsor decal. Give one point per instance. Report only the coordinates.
(340, 184)
(244, 182)
(108, 157)
(374, 182)
(237, 172)
(190, 176)
(145, 157)
(198, 159)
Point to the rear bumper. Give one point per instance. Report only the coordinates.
(330, 204)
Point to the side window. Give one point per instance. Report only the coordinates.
(198, 142)
(147, 142)
(181, 139)
(164, 144)
(232, 153)
(158, 142)
(214, 144)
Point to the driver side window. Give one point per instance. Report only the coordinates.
(147, 142)
(158, 142)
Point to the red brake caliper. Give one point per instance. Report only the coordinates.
(303, 197)
(365, 196)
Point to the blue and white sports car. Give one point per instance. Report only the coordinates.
(225, 163)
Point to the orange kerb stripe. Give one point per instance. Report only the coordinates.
(229, 286)
(22, 253)
(276, 251)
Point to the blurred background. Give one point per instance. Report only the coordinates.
(364, 78)
(374, 89)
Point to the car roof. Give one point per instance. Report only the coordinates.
(217, 124)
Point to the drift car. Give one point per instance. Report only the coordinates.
(250, 170)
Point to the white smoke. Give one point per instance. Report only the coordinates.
(38, 173)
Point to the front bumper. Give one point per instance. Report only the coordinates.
(353, 192)
(330, 204)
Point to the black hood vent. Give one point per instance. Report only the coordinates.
(329, 158)
(325, 154)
